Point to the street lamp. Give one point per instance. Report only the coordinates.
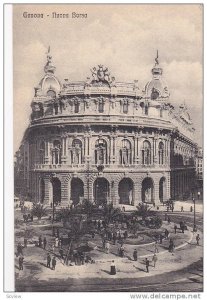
(194, 219)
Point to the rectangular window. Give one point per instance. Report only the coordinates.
(125, 108)
(101, 107)
(76, 108)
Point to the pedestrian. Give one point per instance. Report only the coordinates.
(113, 268)
(32, 218)
(103, 243)
(107, 246)
(183, 228)
(58, 232)
(125, 234)
(154, 260)
(123, 208)
(44, 243)
(82, 258)
(175, 228)
(197, 239)
(166, 234)
(119, 236)
(122, 251)
(56, 242)
(114, 238)
(93, 235)
(53, 231)
(171, 245)
(191, 209)
(161, 238)
(53, 263)
(182, 210)
(172, 208)
(40, 241)
(19, 249)
(135, 255)
(48, 260)
(165, 217)
(169, 220)
(25, 242)
(75, 256)
(53, 248)
(147, 264)
(21, 260)
(156, 248)
(61, 253)
(60, 242)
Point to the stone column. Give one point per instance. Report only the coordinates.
(156, 191)
(48, 191)
(111, 150)
(155, 151)
(65, 188)
(63, 150)
(47, 152)
(137, 193)
(115, 193)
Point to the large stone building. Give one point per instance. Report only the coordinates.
(106, 141)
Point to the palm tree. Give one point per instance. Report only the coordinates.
(144, 211)
(87, 206)
(38, 210)
(110, 213)
(64, 214)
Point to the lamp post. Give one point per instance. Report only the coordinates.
(194, 210)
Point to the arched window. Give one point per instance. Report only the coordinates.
(161, 153)
(146, 153)
(42, 153)
(56, 153)
(76, 152)
(125, 153)
(100, 152)
(51, 93)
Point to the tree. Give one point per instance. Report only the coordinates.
(144, 211)
(87, 207)
(110, 213)
(64, 214)
(38, 210)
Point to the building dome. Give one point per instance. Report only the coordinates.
(49, 83)
(157, 87)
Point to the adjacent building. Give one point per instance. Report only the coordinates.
(105, 141)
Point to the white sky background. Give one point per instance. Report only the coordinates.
(122, 37)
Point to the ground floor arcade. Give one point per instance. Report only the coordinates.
(119, 188)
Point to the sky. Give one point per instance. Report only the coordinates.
(124, 38)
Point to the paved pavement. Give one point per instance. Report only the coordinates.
(186, 252)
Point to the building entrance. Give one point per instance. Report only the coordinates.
(147, 190)
(126, 191)
(101, 191)
(77, 191)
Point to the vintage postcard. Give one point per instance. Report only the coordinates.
(108, 147)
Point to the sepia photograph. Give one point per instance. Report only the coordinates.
(108, 147)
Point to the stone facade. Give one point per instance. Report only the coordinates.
(105, 141)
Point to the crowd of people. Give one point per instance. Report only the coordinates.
(109, 235)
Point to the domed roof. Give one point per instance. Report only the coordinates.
(50, 82)
(156, 88)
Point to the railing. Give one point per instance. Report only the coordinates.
(93, 167)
